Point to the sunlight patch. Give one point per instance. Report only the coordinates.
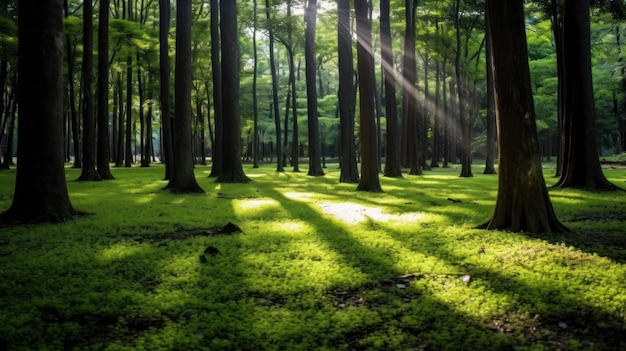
(257, 203)
(352, 213)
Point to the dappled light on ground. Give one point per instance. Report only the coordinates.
(352, 213)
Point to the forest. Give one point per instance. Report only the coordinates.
(312, 174)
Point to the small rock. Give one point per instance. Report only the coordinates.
(231, 228)
(466, 279)
(563, 325)
(212, 251)
(401, 286)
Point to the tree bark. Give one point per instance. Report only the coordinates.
(349, 169)
(103, 156)
(466, 158)
(582, 167)
(315, 165)
(410, 154)
(167, 153)
(491, 112)
(184, 179)
(232, 168)
(393, 167)
(523, 203)
(89, 172)
(274, 105)
(367, 83)
(218, 115)
(40, 188)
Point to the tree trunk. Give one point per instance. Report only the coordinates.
(582, 168)
(167, 152)
(218, 114)
(184, 179)
(348, 164)
(255, 102)
(466, 160)
(523, 203)
(410, 132)
(103, 157)
(367, 89)
(11, 112)
(232, 168)
(128, 151)
(274, 105)
(315, 165)
(491, 112)
(40, 187)
(393, 167)
(119, 158)
(89, 172)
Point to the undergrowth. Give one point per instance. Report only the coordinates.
(317, 266)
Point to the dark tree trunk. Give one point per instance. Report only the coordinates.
(103, 92)
(295, 159)
(434, 162)
(523, 203)
(218, 114)
(89, 172)
(557, 30)
(446, 118)
(315, 165)
(274, 105)
(255, 102)
(453, 124)
(119, 158)
(73, 114)
(167, 153)
(40, 187)
(411, 154)
(491, 112)
(348, 164)
(128, 151)
(184, 179)
(582, 168)
(11, 112)
(466, 159)
(232, 168)
(393, 167)
(367, 89)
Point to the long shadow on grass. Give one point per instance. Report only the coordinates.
(539, 306)
(398, 318)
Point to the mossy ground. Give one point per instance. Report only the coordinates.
(318, 266)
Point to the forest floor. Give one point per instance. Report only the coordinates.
(316, 266)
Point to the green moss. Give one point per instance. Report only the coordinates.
(316, 267)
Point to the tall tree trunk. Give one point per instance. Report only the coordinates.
(103, 150)
(279, 144)
(434, 162)
(348, 164)
(367, 89)
(232, 168)
(167, 153)
(128, 151)
(119, 158)
(582, 168)
(218, 115)
(446, 117)
(40, 187)
(523, 203)
(466, 159)
(315, 165)
(410, 128)
(71, 53)
(10, 117)
(294, 105)
(89, 128)
(491, 111)
(393, 167)
(183, 180)
(255, 102)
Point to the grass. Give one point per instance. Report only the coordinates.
(318, 266)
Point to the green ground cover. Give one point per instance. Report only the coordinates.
(317, 266)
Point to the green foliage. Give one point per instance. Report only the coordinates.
(318, 266)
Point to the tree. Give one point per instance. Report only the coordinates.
(393, 167)
(217, 153)
(581, 164)
(523, 203)
(102, 158)
(279, 144)
(164, 73)
(367, 91)
(183, 179)
(466, 159)
(315, 165)
(40, 187)
(232, 168)
(348, 164)
(410, 151)
(491, 112)
(89, 128)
